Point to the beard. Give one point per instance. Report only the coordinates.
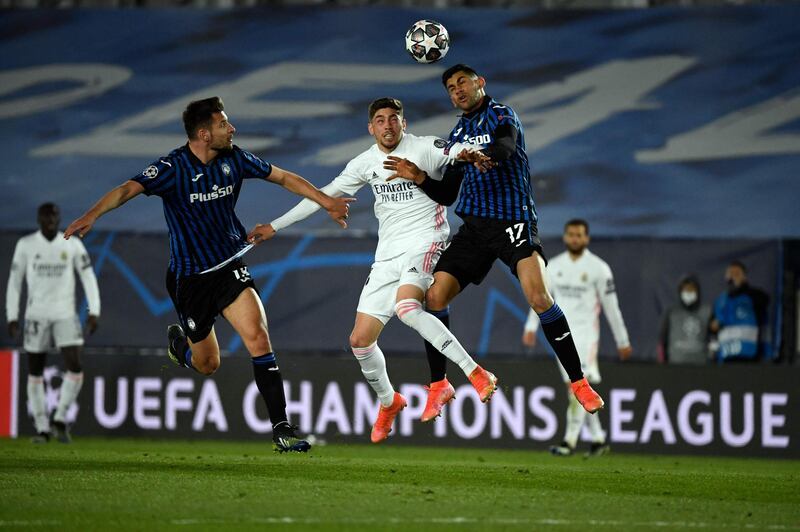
(576, 249)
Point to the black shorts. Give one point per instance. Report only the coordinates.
(480, 241)
(200, 298)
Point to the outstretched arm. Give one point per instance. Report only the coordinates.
(299, 212)
(114, 198)
(327, 198)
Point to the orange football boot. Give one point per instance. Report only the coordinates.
(586, 396)
(386, 415)
(484, 382)
(439, 394)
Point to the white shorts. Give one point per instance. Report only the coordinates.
(587, 351)
(42, 334)
(414, 267)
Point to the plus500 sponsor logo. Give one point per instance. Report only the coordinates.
(216, 193)
(479, 140)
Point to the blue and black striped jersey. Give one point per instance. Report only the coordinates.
(504, 192)
(199, 203)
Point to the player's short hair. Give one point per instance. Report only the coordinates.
(385, 103)
(738, 264)
(458, 68)
(577, 221)
(199, 113)
(46, 208)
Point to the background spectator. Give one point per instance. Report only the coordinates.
(740, 315)
(684, 334)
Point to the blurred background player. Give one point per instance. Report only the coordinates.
(684, 334)
(499, 223)
(412, 232)
(582, 282)
(48, 264)
(740, 317)
(199, 184)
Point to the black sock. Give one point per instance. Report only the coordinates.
(436, 360)
(270, 384)
(556, 330)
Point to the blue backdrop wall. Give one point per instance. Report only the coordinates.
(666, 122)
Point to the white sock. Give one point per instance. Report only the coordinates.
(575, 417)
(38, 404)
(410, 312)
(70, 388)
(598, 434)
(373, 366)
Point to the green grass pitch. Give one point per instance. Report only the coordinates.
(116, 484)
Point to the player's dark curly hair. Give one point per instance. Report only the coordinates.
(198, 114)
(385, 103)
(577, 222)
(47, 208)
(458, 68)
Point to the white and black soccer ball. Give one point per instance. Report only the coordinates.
(427, 41)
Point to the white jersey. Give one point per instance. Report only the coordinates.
(49, 266)
(406, 215)
(581, 287)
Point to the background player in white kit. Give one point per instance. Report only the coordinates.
(412, 232)
(582, 282)
(48, 263)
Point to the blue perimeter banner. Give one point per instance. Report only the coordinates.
(310, 287)
(660, 122)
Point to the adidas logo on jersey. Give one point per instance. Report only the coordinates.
(413, 269)
(216, 193)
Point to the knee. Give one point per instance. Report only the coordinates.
(436, 299)
(257, 343)
(359, 339)
(208, 366)
(73, 364)
(540, 301)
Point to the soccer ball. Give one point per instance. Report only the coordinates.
(427, 41)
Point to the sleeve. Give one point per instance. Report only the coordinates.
(445, 191)
(83, 265)
(608, 299)
(506, 131)
(158, 178)
(504, 144)
(348, 182)
(253, 166)
(532, 323)
(440, 153)
(15, 277)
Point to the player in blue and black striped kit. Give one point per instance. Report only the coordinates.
(499, 217)
(199, 184)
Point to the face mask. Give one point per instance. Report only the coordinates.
(688, 297)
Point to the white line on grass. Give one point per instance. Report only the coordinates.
(35, 522)
(472, 520)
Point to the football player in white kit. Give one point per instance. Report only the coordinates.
(48, 263)
(582, 282)
(412, 233)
